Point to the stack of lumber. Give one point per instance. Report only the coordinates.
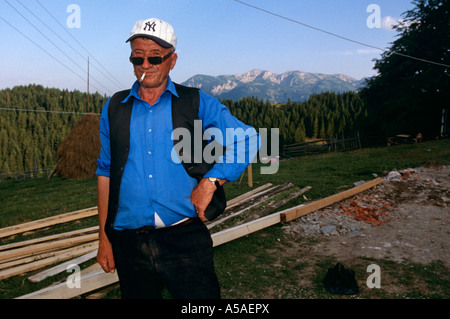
(25, 256)
(259, 208)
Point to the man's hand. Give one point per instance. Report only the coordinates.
(105, 255)
(201, 196)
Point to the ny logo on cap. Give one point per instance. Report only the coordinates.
(150, 25)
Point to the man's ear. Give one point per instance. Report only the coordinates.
(173, 60)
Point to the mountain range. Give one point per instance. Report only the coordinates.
(295, 86)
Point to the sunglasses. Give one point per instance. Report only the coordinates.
(154, 60)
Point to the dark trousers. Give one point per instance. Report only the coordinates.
(178, 257)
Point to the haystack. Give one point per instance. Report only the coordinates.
(77, 155)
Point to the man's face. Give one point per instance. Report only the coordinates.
(155, 75)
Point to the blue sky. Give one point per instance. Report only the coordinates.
(215, 37)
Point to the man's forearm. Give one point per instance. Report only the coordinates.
(102, 201)
(105, 254)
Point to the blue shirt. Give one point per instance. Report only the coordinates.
(155, 188)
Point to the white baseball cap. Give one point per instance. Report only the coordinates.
(159, 31)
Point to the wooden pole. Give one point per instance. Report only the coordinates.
(308, 208)
(87, 107)
(49, 221)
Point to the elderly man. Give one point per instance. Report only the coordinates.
(151, 210)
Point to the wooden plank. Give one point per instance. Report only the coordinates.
(274, 206)
(227, 235)
(49, 238)
(26, 260)
(276, 191)
(70, 253)
(238, 199)
(49, 221)
(88, 282)
(34, 249)
(301, 210)
(63, 267)
(99, 279)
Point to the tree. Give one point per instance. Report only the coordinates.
(413, 84)
(300, 134)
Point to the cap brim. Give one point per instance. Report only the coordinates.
(161, 42)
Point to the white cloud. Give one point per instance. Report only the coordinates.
(389, 22)
(367, 51)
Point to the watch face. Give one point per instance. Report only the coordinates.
(212, 179)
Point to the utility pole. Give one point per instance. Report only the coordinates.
(87, 107)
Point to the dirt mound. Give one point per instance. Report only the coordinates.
(77, 155)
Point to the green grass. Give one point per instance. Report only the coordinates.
(27, 200)
(250, 267)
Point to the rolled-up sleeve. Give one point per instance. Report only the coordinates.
(241, 142)
(104, 161)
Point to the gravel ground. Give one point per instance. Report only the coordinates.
(406, 217)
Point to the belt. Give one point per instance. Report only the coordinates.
(147, 229)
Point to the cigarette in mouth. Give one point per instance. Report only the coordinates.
(142, 77)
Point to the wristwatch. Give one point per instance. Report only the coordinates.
(215, 181)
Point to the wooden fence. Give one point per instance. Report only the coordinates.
(38, 172)
(322, 146)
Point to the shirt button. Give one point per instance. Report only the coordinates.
(149, 153)
(150, 176)
(149, 130)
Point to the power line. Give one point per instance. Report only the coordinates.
(46, 111)
(62, 39)
(37, 29)
(111, 76)
(23, 34)
(339, 36)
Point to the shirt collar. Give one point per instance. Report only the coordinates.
(170, 87)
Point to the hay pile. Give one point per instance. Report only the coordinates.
(77, 155)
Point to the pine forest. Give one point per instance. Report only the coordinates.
(42, 118)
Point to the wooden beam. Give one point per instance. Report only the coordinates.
(88, 282)
(301, 210)
(69, 253)
(272, 192)
(235, 201)
(274, 206)
(42, 247)
(49, 221)
(40, 256)
(63, 267)
(227, 235)
(49, 238)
